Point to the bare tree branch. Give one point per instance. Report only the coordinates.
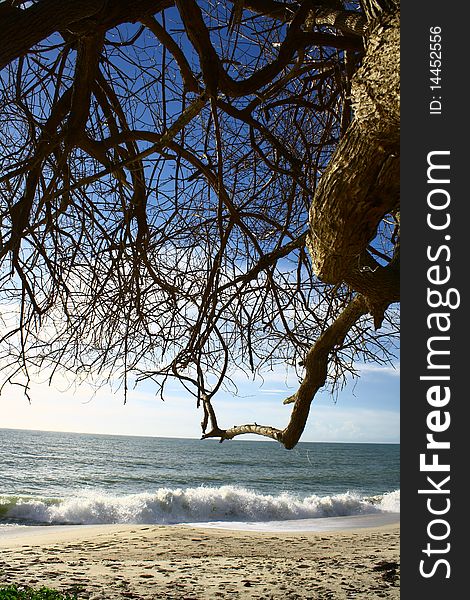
(193, 188)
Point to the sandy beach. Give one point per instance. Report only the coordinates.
(192, 563)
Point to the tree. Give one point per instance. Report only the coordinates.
(190, 188)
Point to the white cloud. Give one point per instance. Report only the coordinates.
(338, 424)
(371, 368)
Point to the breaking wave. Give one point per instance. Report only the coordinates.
(170, 506)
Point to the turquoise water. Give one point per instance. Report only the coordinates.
(55, 478)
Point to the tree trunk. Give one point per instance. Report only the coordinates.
(361, 182)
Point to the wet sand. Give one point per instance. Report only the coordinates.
(355, 559)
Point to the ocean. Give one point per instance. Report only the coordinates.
(55, 478)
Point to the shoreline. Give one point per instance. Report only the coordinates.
(13, 534)
(355, 559)
(317, 524)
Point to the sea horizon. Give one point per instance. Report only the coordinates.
(247, 438)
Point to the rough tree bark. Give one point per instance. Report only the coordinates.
(361, 183)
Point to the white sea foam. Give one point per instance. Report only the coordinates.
(202, 504)
(390, 502)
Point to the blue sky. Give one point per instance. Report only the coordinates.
(366, 410)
